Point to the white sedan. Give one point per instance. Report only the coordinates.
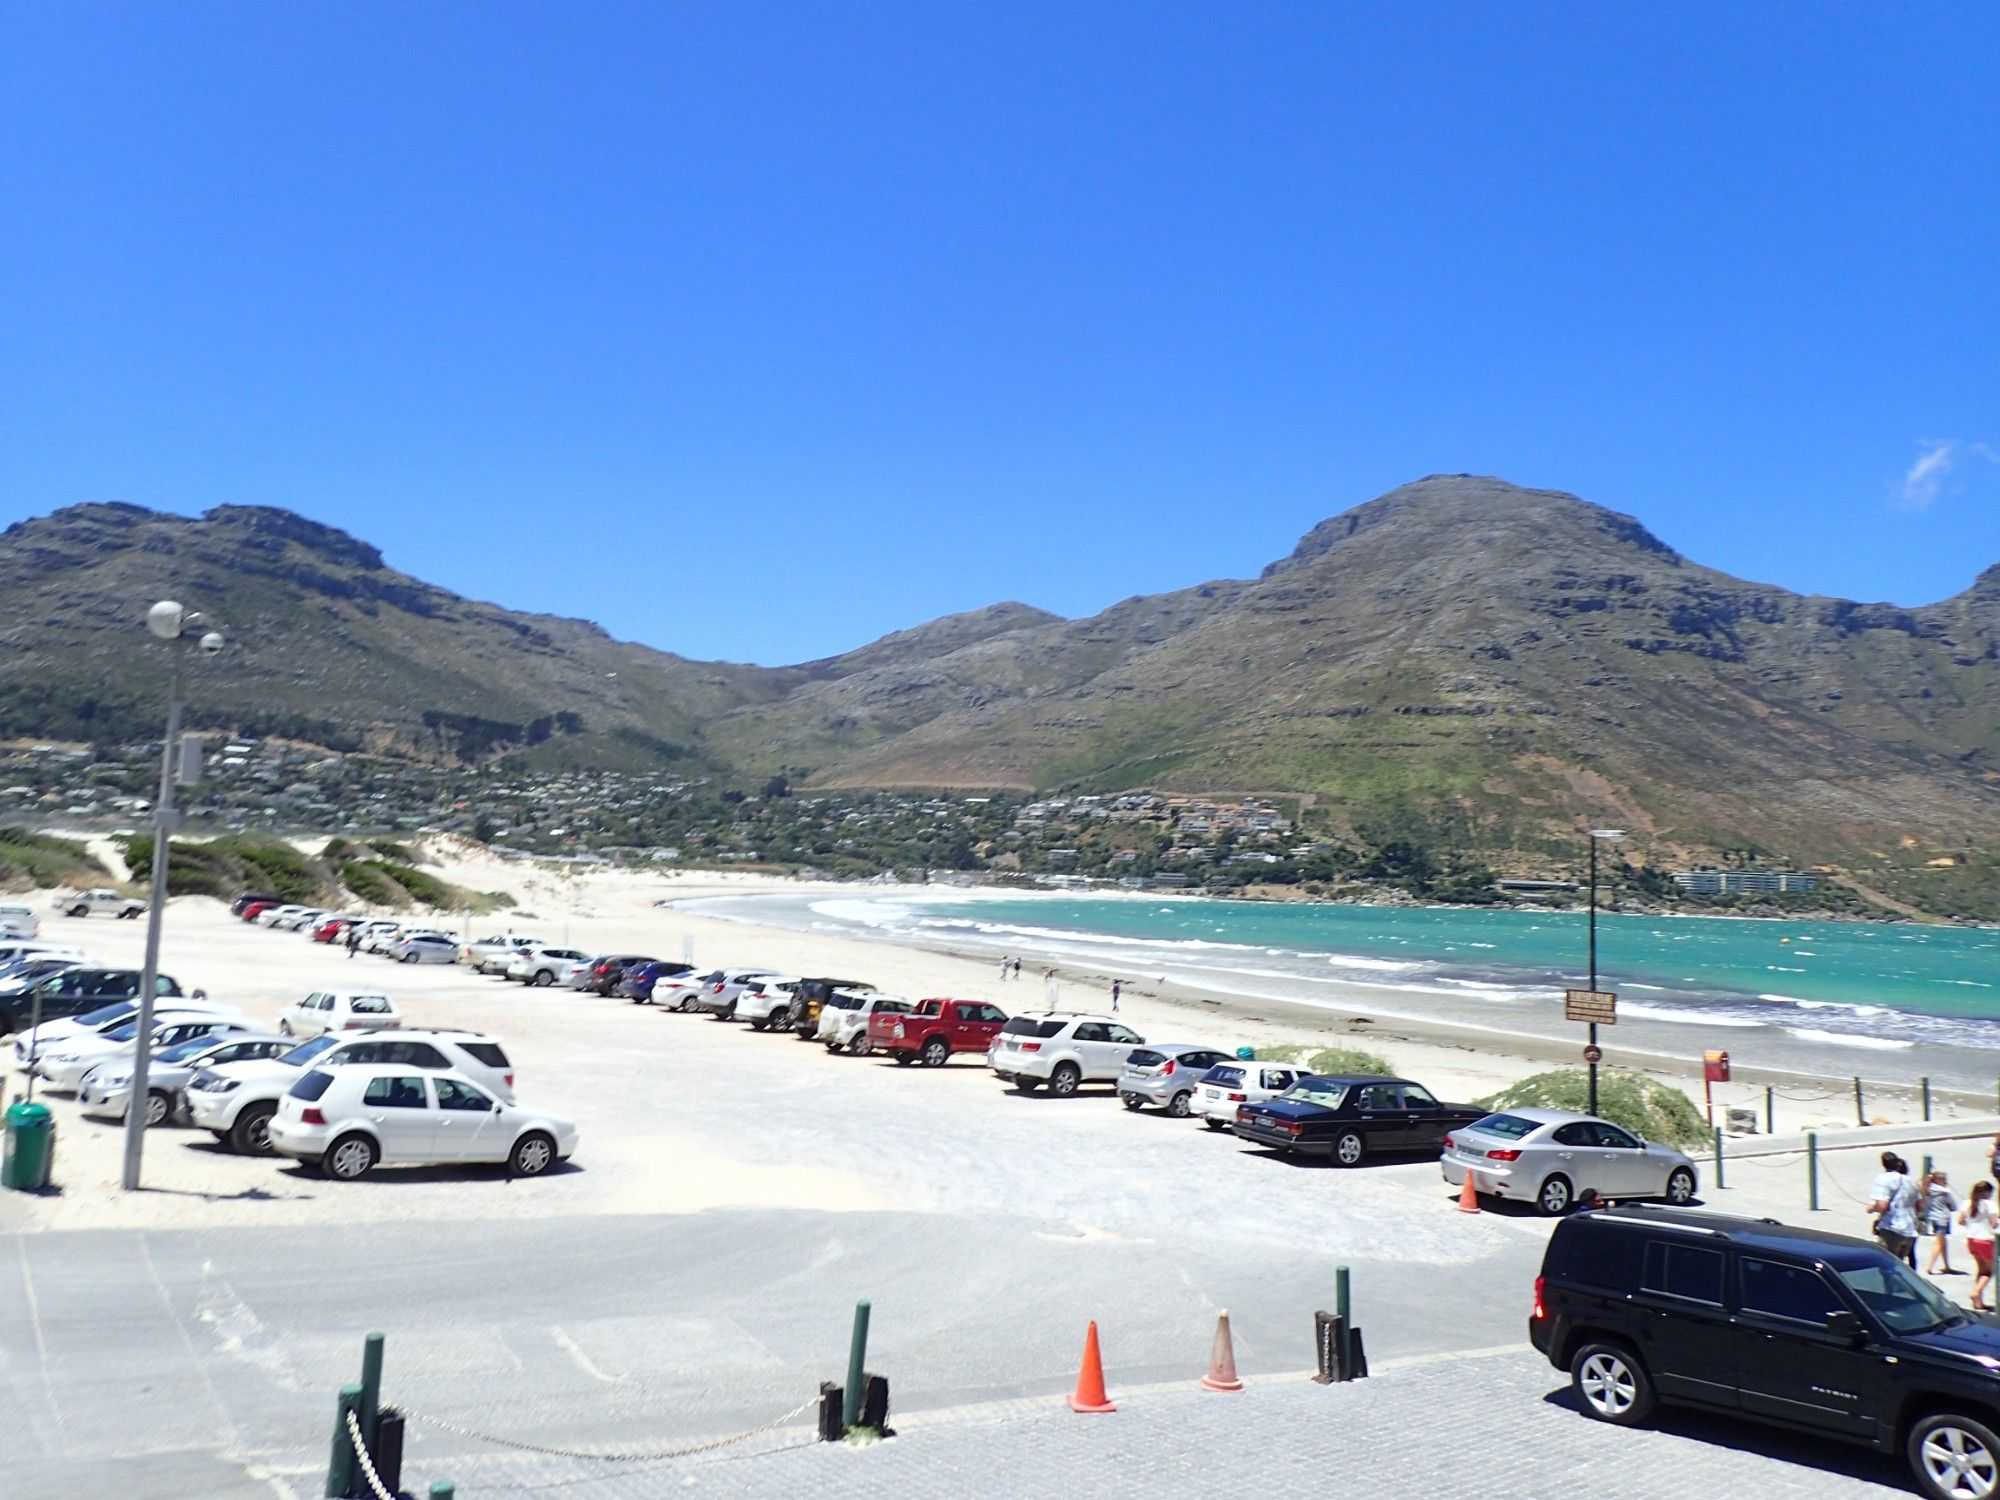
(1547, 1157)
(339, 1010)
(349, 1119)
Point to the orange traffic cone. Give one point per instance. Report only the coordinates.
(1221, 1374)
(1468, 1196)
(1090, 1379)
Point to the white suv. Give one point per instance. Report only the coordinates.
(843, 1020)
(236, 1101)
(765, 1002)
(88, 903)
(1062, 1049)
(542, 967)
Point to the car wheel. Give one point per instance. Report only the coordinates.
(1955, 1457)
(1132, 1102)
(903, 1059)
(79, 911)
(1179, 1104)
(1214, 1124)
(533, 1154)
(1026, 1085)
(937, 1052)
(1554, 1198)
(349, 1159)
(285, 1027)
(1611, 1385)
(158, 1107)
(1348, 1149)
(542, 979)
(686, 1004)
(1680, 1187)
(251, 1134)
(1065, 1081)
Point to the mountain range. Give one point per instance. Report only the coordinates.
(1497, 664)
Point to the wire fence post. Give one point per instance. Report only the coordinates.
(1718, 1159)
(1812, 1170)
(857, 1356)
(1860, 1111)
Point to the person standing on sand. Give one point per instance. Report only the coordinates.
(1003, 969)
(353, 937)
(1117, 989)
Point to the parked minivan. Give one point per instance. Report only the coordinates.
(1797, 1328)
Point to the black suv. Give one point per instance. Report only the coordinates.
(72, 991)
(1794, 1327)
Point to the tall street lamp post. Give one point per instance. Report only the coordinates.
(169, 622)
(1597, 836)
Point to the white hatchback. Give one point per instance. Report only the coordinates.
(348, 1119)
(339, 1010)
(1226, 1087)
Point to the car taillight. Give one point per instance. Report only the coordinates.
(1238, 1099)
(1447, 1143)
(352, 1025)
(1540, 1312)
(510, 1080)
(1503, 1156)
(1166, 1070)
(311, 1117)
(1031, 1046)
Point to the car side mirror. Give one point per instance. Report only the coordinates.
(496, 1110)
(1845, 1325)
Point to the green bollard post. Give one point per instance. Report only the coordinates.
(1342, 1310)
(340, 1468)
(1860, 1110)
(1812, 1170)
(857, 1355)
(443, 1489)
(1770, 1111)
(371, 1387)
(1718, 1159)
(1927, 1101)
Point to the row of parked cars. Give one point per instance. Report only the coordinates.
(1546, 1158)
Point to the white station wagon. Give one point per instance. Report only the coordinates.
(340, 1010)
(1228, 1086)
(348, 1119)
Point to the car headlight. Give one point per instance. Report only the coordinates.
(115, 1081)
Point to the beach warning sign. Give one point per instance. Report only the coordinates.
(1596, 1007)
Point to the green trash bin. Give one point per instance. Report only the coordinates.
(31, 1147)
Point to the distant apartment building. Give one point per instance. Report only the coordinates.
(1744, 882)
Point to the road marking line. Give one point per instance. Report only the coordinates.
(583, 1361)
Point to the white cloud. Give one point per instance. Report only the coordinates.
(1926, 477)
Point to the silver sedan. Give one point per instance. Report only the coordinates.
(106, 1088)
(1549, 1157)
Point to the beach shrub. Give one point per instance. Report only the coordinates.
(1326, 1060)
(33, 861)
(1658, 1111)
(372, 883)
(222, 867)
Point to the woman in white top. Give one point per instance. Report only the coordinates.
(1978, 1219)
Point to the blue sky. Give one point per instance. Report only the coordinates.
(756, 331)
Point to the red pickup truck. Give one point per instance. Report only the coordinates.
(934, 1029)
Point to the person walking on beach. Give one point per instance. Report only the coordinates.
(1117, 989)
(1893, 1202)
(1017, 975)
(1977, 1218)
(1940, 1203)
(1003, 969)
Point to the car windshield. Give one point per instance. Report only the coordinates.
(124, 1033)
(1024, 1026)
(184, 1049)
(1316, 1091)
(104, 1014)
(369, 1005)
(1507, 1127)
(1899, 1297)
(300, 1055)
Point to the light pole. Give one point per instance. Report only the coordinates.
(1597, 835)
(170, 622)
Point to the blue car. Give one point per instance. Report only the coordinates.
(637, 985)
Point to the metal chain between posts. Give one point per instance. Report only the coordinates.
(382, 1492)
(607, 1458)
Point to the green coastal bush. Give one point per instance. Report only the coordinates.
(1326, 1060)
(34, 861)
(1658, 1111)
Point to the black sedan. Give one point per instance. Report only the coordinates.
(1349, 1119)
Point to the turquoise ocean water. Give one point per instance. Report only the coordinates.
(1803, 994)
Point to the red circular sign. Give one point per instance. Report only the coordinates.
(1593, 1054)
